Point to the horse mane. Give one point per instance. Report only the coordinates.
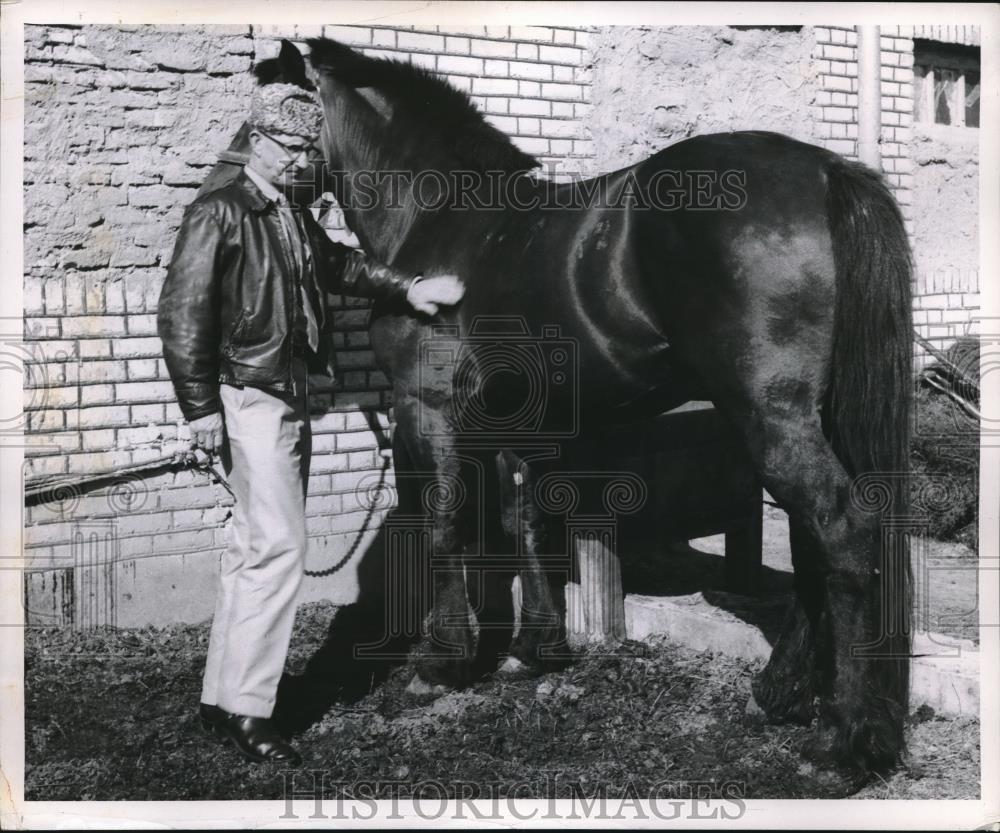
(425, 108)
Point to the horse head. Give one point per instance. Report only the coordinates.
(391, 127)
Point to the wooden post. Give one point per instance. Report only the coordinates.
(597, 613)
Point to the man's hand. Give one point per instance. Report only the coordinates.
(426, 294)
(206, 433)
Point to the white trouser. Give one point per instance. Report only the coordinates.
(268, 444)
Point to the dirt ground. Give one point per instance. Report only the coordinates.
(111, 716)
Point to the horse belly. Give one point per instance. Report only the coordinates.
(574, 279)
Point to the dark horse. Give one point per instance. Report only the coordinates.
(780, 291)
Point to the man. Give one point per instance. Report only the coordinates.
(242, 321)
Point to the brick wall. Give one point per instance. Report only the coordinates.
(121, 126)
(123, 123)
(946, 286)
(836, 108)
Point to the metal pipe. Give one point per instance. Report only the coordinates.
(869, 96)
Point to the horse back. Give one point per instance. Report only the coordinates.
(642, 266)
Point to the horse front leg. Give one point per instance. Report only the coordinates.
(445, 657)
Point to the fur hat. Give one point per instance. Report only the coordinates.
(285, 108)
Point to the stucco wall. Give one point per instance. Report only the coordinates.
(945, 229)
(653, 86)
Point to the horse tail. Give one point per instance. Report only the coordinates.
(869, 399)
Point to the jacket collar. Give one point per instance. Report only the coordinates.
(258, 200)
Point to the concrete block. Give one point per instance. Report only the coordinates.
(131, 348)
(529, 107)
(460, 65)
(563, 92)
(497, 69)
(494, 86)
(944, 671)
(531, 33)
(531, 145)
(425, 43)
(493, 49)
(695, 623)
(945, 674)
(530, 71)
(93, 326)
(159, 591)
(560, 55)
(351, 35)
(133, 392)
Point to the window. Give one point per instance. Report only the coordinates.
(945, 83)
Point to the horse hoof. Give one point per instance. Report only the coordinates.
(831, 783)
(512, 665)
(821, 749)
(514, 669)
(420, 688)
(755, 715)
(782, 702)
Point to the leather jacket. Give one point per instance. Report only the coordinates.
(227, 309)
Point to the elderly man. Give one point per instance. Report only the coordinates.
(243, 323)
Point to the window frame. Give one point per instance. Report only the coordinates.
(933, 56)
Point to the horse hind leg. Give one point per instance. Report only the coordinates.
(540, 643)
(786, 689)
(860, 717)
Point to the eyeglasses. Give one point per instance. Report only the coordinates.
(294, 151)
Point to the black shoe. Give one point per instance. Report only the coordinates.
(257, 739)
(210, 718)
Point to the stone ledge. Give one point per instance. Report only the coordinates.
(944, 676)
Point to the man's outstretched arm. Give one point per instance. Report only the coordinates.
(352, 272)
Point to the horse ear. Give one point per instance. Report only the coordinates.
(293, 65)
(378, 102)
(349, 66)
